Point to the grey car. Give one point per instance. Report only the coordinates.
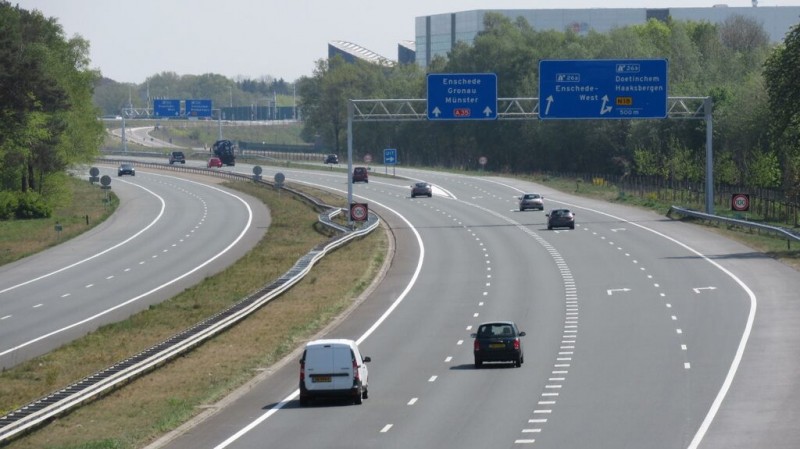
(531, 201)
(561, 218)
(421, 189)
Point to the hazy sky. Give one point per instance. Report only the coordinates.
(132, 40)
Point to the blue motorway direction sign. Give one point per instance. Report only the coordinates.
(167, 108)
(389, 156)
(462, 96)
(198, 108)
(603, 89)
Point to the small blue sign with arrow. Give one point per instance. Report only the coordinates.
(389, 156)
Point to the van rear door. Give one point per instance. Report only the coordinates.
(328, 367)
(343, 365)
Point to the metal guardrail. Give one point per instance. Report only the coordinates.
(40, 412)
(790, 235)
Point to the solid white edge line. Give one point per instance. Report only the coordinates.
(361, 339)
(136, 298)
(151, 224)
(726, 384)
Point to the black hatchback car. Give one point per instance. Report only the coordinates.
(126, 169)
(561, 218)
(498, 341)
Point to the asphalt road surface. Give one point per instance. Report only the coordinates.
(642, 332)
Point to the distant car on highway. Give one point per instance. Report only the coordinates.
(360, 175)
(561, 218)
(214, 162)
(531, 201)
(332, 159)
(498, 341)
(126, 169)
(421, 189)
(177, 156)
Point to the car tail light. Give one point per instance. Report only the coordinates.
(516, 344)
(302, 371)
(355, 370)
(476, 345)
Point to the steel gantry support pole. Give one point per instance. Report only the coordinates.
(707, 106)
(349, 160)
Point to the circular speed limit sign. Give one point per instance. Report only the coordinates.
(359, 211)
(740, 202)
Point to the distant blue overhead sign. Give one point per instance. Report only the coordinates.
(603, 89)
(462, 96)
(167, 108)
(198, 108)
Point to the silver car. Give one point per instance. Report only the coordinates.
(531, 201)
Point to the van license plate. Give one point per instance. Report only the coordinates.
(317, 379)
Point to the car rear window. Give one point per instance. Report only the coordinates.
(496, 330)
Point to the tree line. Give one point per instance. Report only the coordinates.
(47, 119)
(754, 86)
(50, 99)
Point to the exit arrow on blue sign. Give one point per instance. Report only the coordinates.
(603, 89)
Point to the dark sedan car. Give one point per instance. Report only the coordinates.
(561, 218)
(126, 169)
(498, 341)
(421, 189)
(360, 174)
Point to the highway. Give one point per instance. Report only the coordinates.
(167, 235)
(641, 332)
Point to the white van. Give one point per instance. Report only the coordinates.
(333, 367)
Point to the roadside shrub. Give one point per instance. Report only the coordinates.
(32, 205)
(8, 205)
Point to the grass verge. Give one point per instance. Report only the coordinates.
(140, 412)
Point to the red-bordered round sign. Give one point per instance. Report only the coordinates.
(359, 211)
(740, 202)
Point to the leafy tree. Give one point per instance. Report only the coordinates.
(782, 79)
(47, 118)
(324, 97)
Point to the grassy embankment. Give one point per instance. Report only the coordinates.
(146, 408)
